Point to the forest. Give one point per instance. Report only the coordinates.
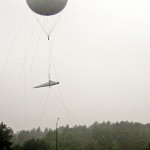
(122, 135)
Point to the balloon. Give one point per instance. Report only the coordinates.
(47, 7)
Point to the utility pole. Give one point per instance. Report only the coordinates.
(57, 133)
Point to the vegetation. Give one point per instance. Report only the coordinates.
(99, 136)
(6, 135)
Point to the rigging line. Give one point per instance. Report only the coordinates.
(49, 61)
(54, 25)
(47, 23)
(54, 66)
(51, 44)
(25, 99)
(35, 51)
(24, 82)
(50, 52)
(61, 97)
(52, 58)
(25, 56)
(44, 109)
(25, 49)
(53, 90)
(56, 22)
(50, 23)
(68, 117)
(40, 24)
(37, 19)
(13, 42)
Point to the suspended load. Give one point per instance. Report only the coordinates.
(47, 7)
(48, 84)
(46, 15)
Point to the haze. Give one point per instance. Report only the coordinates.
(101, 57)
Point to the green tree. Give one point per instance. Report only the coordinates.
(115, 145)
(35, 145)
(148, 148)
(17, 147)
(6, 134)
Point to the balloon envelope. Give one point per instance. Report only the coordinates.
(47, 7)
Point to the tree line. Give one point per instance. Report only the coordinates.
(99, 136)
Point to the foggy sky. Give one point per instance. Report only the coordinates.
(101, 57)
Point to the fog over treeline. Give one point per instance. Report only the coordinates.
(122, 135)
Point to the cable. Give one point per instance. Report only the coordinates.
(50, 51)
(24, 82)
(35, 51)
(13, 42)
(63, 107)
(40, 24)
(25, 100)
(48, 33)
(44, 109)
(25, 56)
(61, 98)
(51, 45)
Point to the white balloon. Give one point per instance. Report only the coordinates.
(47, 7)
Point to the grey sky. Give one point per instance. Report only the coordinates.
(101, 58)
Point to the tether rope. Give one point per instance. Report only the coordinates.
(13, 42)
